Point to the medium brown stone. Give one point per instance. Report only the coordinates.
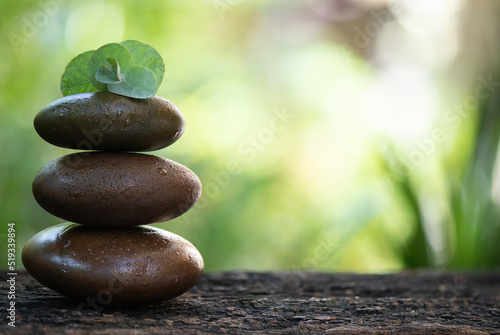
(109, 266)
(115, 189)
(108, 121)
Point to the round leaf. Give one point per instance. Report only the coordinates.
(74, 79)
(147, 56)
(138, 82)
(99, 59)
(110, 73)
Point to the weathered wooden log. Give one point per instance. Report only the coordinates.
(419, 302)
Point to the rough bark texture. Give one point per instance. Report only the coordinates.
(279, 303)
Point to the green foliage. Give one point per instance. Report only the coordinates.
(74, 80)
(110, 73)
(132, 69)
(138, 82)
(146, 56)
(100, 59)
(471, 226)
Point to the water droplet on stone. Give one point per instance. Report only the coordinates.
(162, 171)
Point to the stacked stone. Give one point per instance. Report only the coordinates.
(105, 256)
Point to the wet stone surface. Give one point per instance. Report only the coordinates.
(125, 266)
(107, 121)
(115, 189)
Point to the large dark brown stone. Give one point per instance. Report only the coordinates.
(109, 266)
(115, 189)
(108, 121)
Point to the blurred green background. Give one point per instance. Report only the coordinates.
(329, 135)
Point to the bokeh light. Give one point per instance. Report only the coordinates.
(329, 135)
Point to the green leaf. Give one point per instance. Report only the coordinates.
(109, 73)
(74, 79)
(145, 55)
(132, 68)
(138, 82)
(100, 59)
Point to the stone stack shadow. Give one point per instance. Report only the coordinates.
(104, 255)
